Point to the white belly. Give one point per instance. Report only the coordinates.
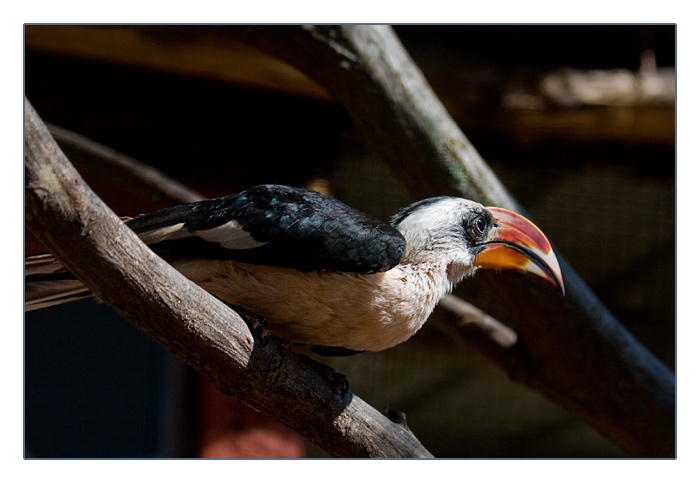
(361, 312)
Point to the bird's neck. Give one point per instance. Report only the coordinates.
(429, 280)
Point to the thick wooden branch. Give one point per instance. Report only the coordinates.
(571, 348)
(64, 214)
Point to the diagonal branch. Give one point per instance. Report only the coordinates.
(64, 214)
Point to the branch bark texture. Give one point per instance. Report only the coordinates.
(65, 215)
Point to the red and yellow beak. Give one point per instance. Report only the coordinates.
(515, 243)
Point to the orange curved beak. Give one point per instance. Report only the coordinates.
(515, 243)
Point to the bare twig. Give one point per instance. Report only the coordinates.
(63, 213)
(133, 176)
(471, 317)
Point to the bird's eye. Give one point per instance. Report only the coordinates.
(476, 228)
(479, 225)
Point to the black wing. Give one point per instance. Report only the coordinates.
(274, 225)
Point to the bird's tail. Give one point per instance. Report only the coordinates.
(48, 283)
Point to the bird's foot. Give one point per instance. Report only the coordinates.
(339, 383)
(257, 324)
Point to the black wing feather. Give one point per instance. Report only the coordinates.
(297, 228)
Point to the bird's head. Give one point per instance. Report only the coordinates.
(468, 236)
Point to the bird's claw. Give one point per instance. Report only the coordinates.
(339, 383)
(257, 324)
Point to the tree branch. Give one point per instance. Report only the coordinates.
(571, 348)
(64, 214)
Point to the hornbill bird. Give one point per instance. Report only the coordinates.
(319, 272)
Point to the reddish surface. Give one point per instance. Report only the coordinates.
(229, 429)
